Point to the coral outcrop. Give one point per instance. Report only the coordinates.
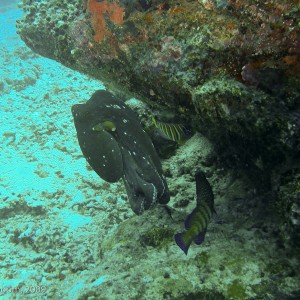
(234, 64)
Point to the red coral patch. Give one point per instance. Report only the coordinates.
(100, 12)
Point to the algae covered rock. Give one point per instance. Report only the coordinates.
(152, 230)
(287, 205)
(229, 67)
(250, 128)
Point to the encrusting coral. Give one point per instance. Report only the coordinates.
(101, 12)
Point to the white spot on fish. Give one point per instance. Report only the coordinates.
(125, 121)
(154, 195)
(162, 181)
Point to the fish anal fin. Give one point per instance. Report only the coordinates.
(200, 237)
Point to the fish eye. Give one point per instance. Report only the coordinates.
(106, 125)
(109, 126)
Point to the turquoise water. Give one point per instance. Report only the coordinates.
(41, 163)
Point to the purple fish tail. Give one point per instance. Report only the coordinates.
(180, 242)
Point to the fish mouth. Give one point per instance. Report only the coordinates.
(80, 111)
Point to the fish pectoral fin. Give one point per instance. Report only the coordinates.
(142, 195)
(189, 220)
(169, 210)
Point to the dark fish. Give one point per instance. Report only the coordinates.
(115, 145)
(174, 132)
(197, 222)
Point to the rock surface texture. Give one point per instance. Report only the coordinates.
(229, 66)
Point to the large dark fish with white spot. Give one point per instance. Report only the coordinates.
(196, 223)
(116, 146)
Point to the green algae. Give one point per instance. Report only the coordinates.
(174, 288)
(205, 295)
(236, 291)
(157, 237)
(275, 268)
(202, 259)
(287, 205)
(261, 290)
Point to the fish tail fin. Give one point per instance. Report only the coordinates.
(179, 239)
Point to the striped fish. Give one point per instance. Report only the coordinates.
(171, 131)
(197, 222)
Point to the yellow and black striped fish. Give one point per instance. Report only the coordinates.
(196, 223)
(171, 131)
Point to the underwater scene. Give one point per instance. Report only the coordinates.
(150, 150)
